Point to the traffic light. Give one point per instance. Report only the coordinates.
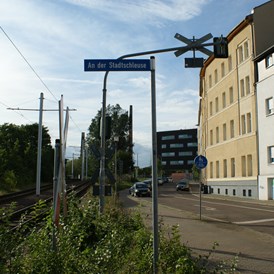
(220, 47)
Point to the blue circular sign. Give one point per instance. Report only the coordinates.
(200, 161)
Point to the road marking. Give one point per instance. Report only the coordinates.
(253, 222)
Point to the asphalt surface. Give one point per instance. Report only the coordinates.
(253, 248)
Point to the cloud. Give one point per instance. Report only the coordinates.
(149, 11)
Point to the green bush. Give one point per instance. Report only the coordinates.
(116, 241)
(9, 180)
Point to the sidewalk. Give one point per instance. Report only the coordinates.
(254, 249)
(237, 199)
(195, 190)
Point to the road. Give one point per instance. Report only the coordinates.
(241, 227)
(259, 217)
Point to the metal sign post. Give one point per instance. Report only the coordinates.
(200, 162)
(118, 64)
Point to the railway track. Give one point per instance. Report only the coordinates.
(26, 202)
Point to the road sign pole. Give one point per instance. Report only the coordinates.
(200, 162)
(102, 173)
(200, 186)
(154, 168)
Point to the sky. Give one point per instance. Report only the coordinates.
(43, 45)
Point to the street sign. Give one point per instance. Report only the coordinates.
(117, 65)
(194, 62)
(196, 44)
(200, 161)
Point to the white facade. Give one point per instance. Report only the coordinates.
(265, 108)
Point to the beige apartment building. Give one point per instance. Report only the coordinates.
(228, 131)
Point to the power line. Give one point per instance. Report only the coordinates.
(25, 59)
(41, 80)
(19, 113)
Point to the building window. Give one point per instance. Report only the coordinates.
(234, 192)
(244, 192)
(243, 162)
(219, 191)
(225, 168)
(246, 50)
(163, 146)
(229, 63)
(216, 104)
(232, 133)
(217, 135)
(240, 54)
(223, 69)
(243, 123)
(242, 87)
(249, 193)
(231, 97)
(190, 162)
(248, 122)
(217, 169)
(268, 61)
(185, 153)
(168, 137)
(175, 163)
(247, 85)
(211, 137)
(184, 136)
(232, 165)
(210, 81)
(210, 109)
(164, 163)
(168, 154)
(211, 169)
(176, 145)
(271, 154)
(192, 144)
(215, 76)
(224, 99)
(269, 106)
(226, 191)
(249, 165)
(224, 132)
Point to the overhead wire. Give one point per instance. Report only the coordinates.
(41, 80)
(37, 75)
(16, 111)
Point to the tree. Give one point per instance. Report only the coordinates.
(18, 153)
(119, 127)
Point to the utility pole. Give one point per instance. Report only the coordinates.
(40, 131)
(39, 149)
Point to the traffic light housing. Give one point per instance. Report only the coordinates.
(220, 47)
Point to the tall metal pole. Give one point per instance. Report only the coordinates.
(86, 154)
(102, 174)
(39, 149)
(83, 156)
(154, 167)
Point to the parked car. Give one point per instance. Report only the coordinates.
(140, 189)
(182, 185)
(160, 181)
(165, 180)
(148, 183)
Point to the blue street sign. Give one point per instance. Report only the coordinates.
(117, 65)
(200, 161)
